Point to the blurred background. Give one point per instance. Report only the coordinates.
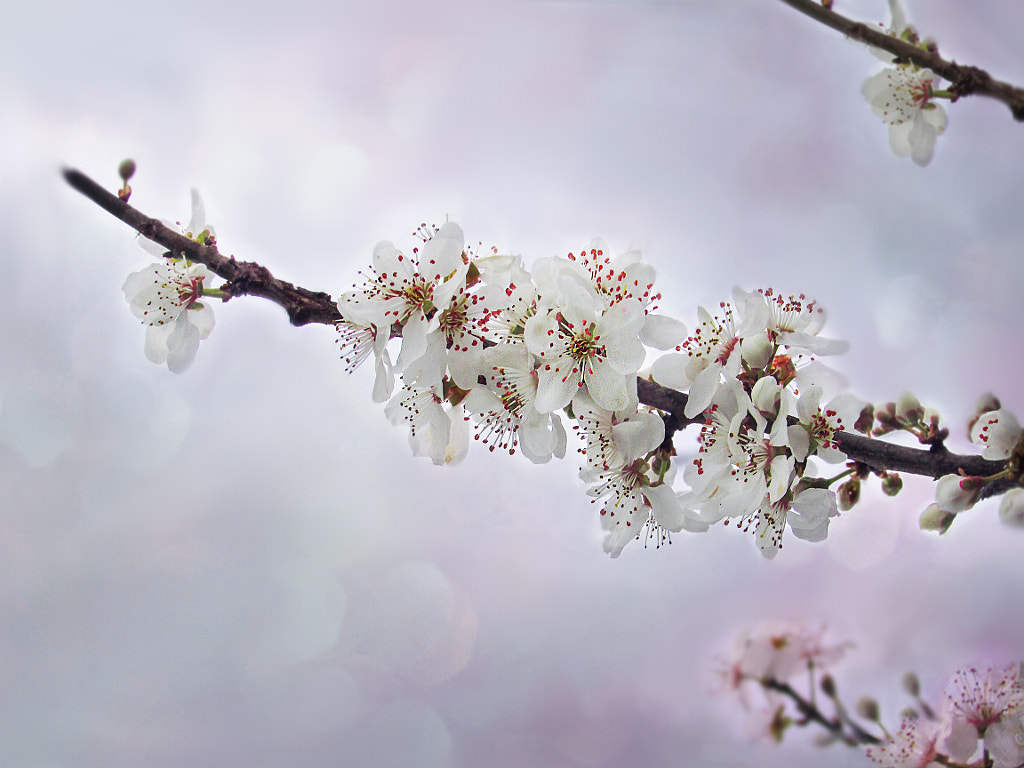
(244, 565)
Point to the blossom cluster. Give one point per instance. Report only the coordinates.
(459, 339)
(752, 371)
(981, 709)
(903, 96)
(483, 341)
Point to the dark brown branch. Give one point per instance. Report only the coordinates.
(876, 454)
(966, 80)
(303, 306)
(811, 713)
(244, 278)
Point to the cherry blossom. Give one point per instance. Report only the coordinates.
(635, 500)
(915, 745)
(1004, 739)
(165, 296)
(506, 408)
(978, 697)
(777, 651)
(998, 431)
(407, 291)
(902, 97)
(435, 430)
(713, 349)
(576, 349)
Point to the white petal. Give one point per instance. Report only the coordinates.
(662, 332)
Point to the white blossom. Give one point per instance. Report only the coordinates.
(998, 431)
(915, 745)
(978, 697)
(165, 296)
(902, 97)
(576, 349)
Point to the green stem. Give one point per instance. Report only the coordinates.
(840, 476)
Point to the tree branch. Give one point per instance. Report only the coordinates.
(304, 306)
(244, 278)
(966, 80)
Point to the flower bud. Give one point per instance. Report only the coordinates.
(865, 420)
(956, 493)
(849, 494)
(1011, 508)
(934, 518)
(766, 396)
(126, 169)
(909, 409)
(828, 686)
(909, 713)
(891, 484)
(885, 415)
(911, 684)
(756, 351)
(867, 708)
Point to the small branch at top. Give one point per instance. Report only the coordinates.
(967, 80)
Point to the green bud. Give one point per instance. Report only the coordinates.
(911, 684)
(849, 494)
(891, 484)
(909, 409)
(126, 169)
(934, 518)
(828, 686)
(867, 708)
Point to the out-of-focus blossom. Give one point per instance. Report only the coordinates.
(915, 745)
(978, 697)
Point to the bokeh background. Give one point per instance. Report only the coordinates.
(244, 565)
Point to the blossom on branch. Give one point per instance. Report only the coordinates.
(998, 432)
(915, 745)
(902, 96)
(165, 296)
(978, 698)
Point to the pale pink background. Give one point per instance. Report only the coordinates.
(244, 565)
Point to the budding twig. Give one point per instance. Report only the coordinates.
(244, 278)
(966, 80)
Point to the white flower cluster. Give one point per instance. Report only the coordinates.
(165, 296)
(983, 710)
(902, 95)
(482, 340)
(744, 370)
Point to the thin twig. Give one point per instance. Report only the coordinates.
(966, 80)
(244, 278)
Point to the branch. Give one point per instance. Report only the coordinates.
(304, 306)
(810, 711)
(244, 278)
(966, 80)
